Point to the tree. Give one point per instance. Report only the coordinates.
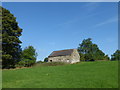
(46, 59)
(29, 56)
(116, 55)
(90, 51)
(11, 49)
(107, 57)
(82, 57)
(40, 61)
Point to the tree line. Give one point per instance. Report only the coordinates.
(13, 55)
(90, 51)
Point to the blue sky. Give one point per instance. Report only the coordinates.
(50, 26)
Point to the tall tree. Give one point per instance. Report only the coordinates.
(11, 49)
(116, 55)
(0, 37)
(46, 59)
(90, 51)
(29, 56)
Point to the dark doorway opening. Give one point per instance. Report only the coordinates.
(50, 60)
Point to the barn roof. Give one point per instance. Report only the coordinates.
(61, 53)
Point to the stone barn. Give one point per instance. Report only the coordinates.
(68, 56)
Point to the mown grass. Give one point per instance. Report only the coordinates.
(101, 74)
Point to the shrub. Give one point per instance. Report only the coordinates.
(50, 64)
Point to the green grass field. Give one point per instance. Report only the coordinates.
(98, 74)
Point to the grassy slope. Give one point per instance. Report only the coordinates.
(101, 74)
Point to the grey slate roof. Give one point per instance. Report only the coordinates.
(61, 53)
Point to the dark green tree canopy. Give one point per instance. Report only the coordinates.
(90, 51)
(29, 56)
(46, 59)
(11, 49)
(116, 55)
(29, 53)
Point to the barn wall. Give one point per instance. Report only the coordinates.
(73, 58)
(60, 59)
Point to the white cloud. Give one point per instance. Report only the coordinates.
(90, 7)
(77, 19)
(111, 20)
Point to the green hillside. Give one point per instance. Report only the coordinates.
(98, 74)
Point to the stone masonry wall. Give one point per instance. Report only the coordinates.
(73, 58)
(66, 59)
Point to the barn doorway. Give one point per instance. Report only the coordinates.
(50, 60)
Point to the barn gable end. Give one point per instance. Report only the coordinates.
(68, 56)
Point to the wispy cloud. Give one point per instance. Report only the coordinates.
(77, 19)
(69, 22)
(90, 7)
(108, 21)
(88, 12)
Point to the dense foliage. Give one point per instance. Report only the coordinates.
(11, 49)
(90, 51)
(28, 57)
(39, 62)
(116, 55)
(46, 59)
